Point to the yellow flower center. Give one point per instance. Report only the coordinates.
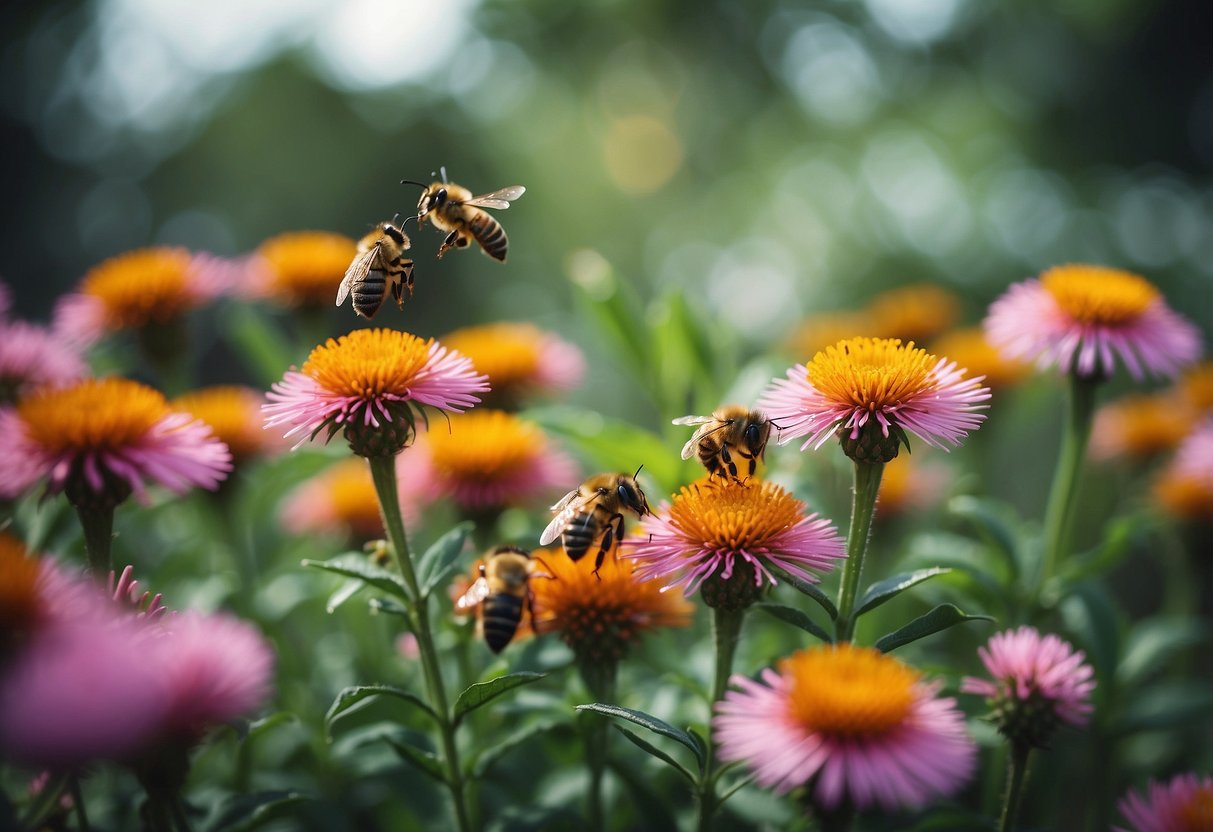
(233, 414)
(93, 415)
(847, 691)
(817, 332)
(507, 353)
(728, 515)
(1143, 425)
(18, 586)
(1197, 814)
(354, 499)
(1099, 295)
(1184, 496)
(1197, 386)
(914, 313)
(368, 363)
(871, 373)
(306, 267)
(142, 286)
(970, 349)
(483, 444)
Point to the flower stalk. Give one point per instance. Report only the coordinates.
(726, 630)
(600, 679)
(1017, 775)
(98, 526)
(863, 509)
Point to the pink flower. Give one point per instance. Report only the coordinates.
(124, 591)
(368, 382)
(732, 531)
(103, 438)
(30, 357)
(851, 724)
(519, 359)
(862, 387)
(1083, 318)
(1194, 458)
(342, 500)
(1036, 682)
(1185, 804)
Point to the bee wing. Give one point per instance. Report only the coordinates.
(688, 450)
(568, 506)
(692, 420)
(500, 198)
(476, 593)
(357, 271)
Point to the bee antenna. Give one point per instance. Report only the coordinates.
(638, 470)
(413, 182)
(406, 220)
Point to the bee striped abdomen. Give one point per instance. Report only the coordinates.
(579, 534)
(502, 614)
(369, 294)
(489, 233)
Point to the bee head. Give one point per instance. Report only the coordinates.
(754, 434)
(631, 496)
(439, 198)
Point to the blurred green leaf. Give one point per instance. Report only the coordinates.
(268, 723)
(797, 618)
(256, 338)
(1119, 535)
(940, 618)
(1166, 706)
(996, 527)
(651, 804)
(647, 747)
(1092, 615)
(388, 607)
(1153, 643)
(352, 696)
(481, 693)
(492, 753)
(687, 360)
(425, 761)
(436, 565)
(613, 309)
(805, 588)
(45, 801)
(890, 588)
(344, 593)
(248, 811)
(657, 726)
(355, 565)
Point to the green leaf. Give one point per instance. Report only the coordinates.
(426, 761)
(940, 618)
(351, 696)
(355, 565)
(490, 755)
(805, 588)
(1154, 642)
(990, 521)
(268, 723)
(648, 804)
(259, 341)
(1090, 613)
(439, 560)
(344, 593)
(242, 812)
(1166, 706)
(657, 726)
(46, 801)
(609, 303)
(889, 588)
(1119, 536)
(797, 618)
(647, 747)
(482, 693)
(388, 607)
(733, 789)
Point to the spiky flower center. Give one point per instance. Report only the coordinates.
(734, 516)
(848, 692)
(233, 414)
(872, 373)
(368, 364)
(94, 415)
(507, 353)
(484, 445)
(136, 288)
(1099, 295)
(1197, 814)
(307, 266)
(18, 587)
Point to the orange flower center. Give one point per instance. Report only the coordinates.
(368, 363)
(233, 414)
(507, 353)
(354, 499)
(970, 349)
(914, 312)
(1144, 425)
(847, 691)
(18, 586)
(93, 415)
(1099, 295)
(1197, 814)
(306, 267)
(1197, 386)
(483, 444)
(1184, 496)
(136, 288)
(732, 515)
(871, 373)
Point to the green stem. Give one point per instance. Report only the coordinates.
(98, 525)
(863, 509)
(1018, 774)
(78, 802)
(726, 628)
(600, 680)
(1059, 512)
(383, 473)
(181, 821)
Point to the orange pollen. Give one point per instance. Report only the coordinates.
(872, 373)
(368, 363)
(92, 415)
(353, 496)
(233, 414)
(734, 516)
(306, 267)
(142, 286)
(484, 444)
(19, 603)
(1197, 814)
(507, 353)
(849, 692)
(1099, 295)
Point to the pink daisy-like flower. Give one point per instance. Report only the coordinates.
(31, 356)
(1037, 682)
(1084, 318)
(342, 500)
(870, 392)
(485, 460)
(369, 382)
(730, 532)
(1184, 804)
(519, 359)
(124, 591)
(1185, 485)
(101, 439)
(850, 723)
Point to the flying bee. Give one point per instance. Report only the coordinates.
(379, 264)
(592, 510)
(501, 592)
(733, 435)
(453, 208)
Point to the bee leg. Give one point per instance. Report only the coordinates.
(727, 458)
(398, 294)
(407, 265)
(450, 242)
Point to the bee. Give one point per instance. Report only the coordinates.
(503, 589)
(380, 262)
(453, 208)
(593, 510)
(731, 436)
